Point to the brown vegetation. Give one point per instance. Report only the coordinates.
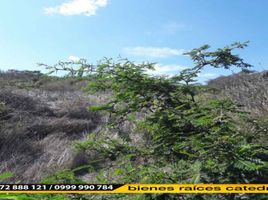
(39, 126)
(42, 117)
(247, 89)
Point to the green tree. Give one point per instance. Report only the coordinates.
(191, 140)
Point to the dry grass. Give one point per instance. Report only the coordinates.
(38, 126)
(38, 129)
(247, 90)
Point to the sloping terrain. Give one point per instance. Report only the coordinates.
(39, 122)
(250, 90)
(41, 118)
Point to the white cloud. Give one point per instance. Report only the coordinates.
(77, 7)
(154, 51)
(169, 68)
(74, 58)
(208, 75)
(166, 69)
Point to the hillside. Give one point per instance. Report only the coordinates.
(40, 119)
(128, 100)
(45, 121)
(246, 89)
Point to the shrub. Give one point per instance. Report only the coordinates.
(185, 132)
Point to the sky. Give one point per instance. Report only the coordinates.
(142, 30)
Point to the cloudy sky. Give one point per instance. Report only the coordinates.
(141, 30)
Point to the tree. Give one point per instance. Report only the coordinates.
(197, 141)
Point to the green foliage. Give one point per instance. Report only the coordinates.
(73, 68)
(107, 148)
(6, 175)
(192, 140)
(34, 197)
(64, 177)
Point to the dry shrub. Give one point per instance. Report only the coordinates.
(61, 84)
(247, 90)
(38, 129)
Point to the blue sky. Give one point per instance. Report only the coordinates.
(141, 30)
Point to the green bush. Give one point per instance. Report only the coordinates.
(192, 140)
